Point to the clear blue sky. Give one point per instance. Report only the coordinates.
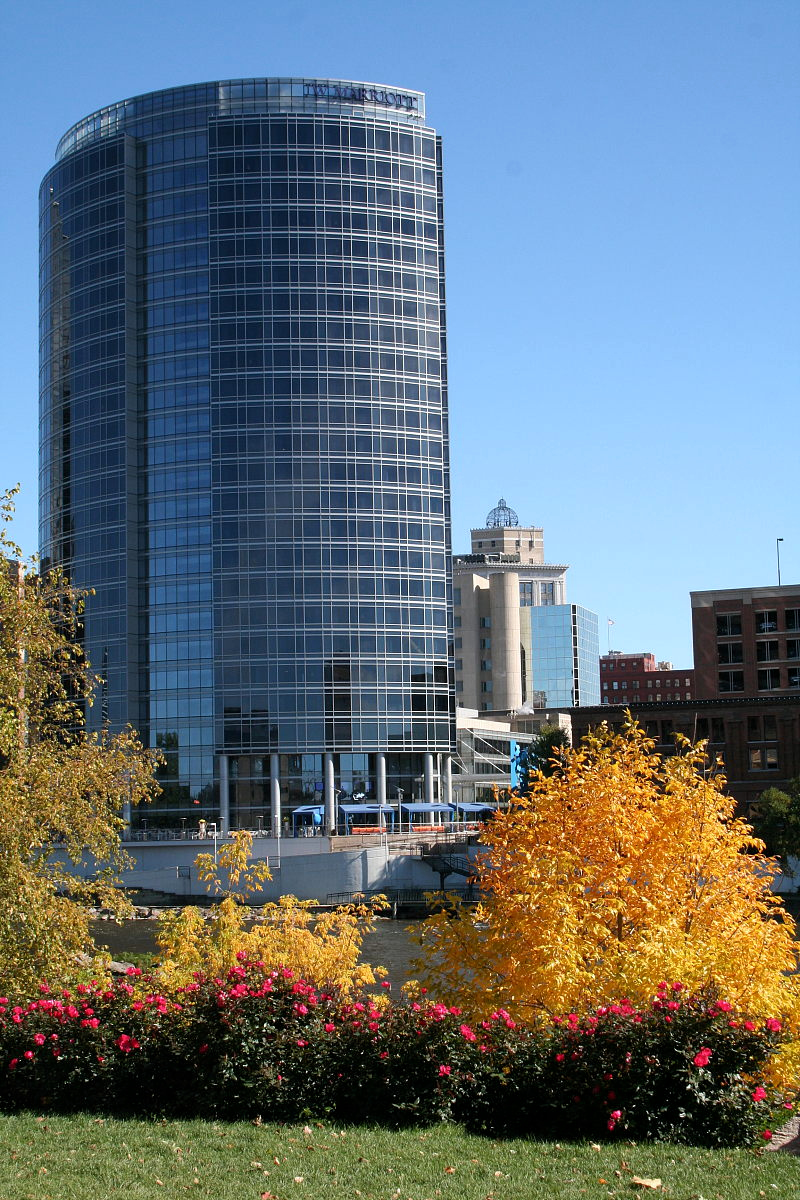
(622, 203)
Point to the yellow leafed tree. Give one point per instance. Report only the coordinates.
(60, 788)
(619, 870)
(323, 948)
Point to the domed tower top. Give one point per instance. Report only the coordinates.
(502, 517)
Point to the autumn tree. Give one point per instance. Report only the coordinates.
(61, 788)
(322, 947)
(619, 870)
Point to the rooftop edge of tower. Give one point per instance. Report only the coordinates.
(249, 97)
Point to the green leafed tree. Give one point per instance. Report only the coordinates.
(61, 787)
(776, 818)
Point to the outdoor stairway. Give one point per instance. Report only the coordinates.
(446, 860)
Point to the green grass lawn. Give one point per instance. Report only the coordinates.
(87, 1158)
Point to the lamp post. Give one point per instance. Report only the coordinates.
(778, 552)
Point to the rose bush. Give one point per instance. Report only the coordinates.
(262, 1043)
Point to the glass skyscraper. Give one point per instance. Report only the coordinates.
(244, 443)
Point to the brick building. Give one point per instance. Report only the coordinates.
(757, 738)
(639, 678)
(747, 642)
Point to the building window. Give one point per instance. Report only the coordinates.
(766, 651)
(457, 595)
(456, 622)
(526, 594)
(605, 685)
(486, 685)
(769, 680)
(729, 625)
(459, 664)
(770, 729)
(485, 622)
(728, 652)
(767, 621)
(792, 616)
(764, 758)
(624, 685)
(486, 643)
(486, 664)
(731, 681)
(793, 647)
(687, 682)
(457, 643)
(717, 729)
(793, 677)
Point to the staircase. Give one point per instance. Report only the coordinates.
(447, 860)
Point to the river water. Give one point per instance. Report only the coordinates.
(389, 945)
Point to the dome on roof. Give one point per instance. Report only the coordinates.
(501, 517)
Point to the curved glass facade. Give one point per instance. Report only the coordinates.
(244, 445)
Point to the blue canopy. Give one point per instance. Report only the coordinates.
(419, 807)
(473, 806)
(308, 814)
(383, 811)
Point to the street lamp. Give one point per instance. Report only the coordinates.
(778, 552)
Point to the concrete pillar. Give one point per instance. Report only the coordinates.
(126, 816)
(447, 763)
(224, 797)
(330, 797)
(381, 780)
(428, 793)
(275, 793)
(506, 640)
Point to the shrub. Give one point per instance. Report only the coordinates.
(398, 1064)
(685, 1069)
(261, 1043)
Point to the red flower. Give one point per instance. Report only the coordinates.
(767, 1134)
(759, 1094)
(39, 1039)
(702, 1057)
(773, 1025)
(127, 1043)
(444, 1070)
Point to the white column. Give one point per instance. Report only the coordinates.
(448, 778)
(330, 798)
(275, 794)
(224, 796)
(429, 797)
(381, 780)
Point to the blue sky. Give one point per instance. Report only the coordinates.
(622, 201)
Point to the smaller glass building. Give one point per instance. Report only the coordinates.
(563, 651)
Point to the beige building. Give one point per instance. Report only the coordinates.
(517, 642)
